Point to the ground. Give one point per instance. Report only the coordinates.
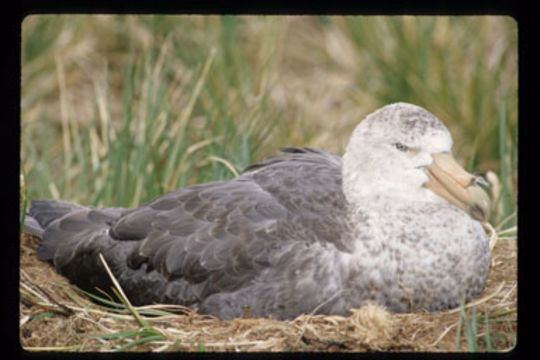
(54, 315)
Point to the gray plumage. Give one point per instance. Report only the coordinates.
(283, 238)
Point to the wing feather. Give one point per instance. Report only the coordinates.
(213, 237)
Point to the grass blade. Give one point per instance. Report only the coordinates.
(487, 336)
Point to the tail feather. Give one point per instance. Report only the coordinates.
(46, 211)
(73, 236)
(65, 228)
(32, 227)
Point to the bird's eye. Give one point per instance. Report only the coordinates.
(401, 147)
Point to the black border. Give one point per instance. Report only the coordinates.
(10, 141)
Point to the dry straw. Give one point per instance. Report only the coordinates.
(55, 315)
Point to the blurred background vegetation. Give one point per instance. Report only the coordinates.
(116, 110)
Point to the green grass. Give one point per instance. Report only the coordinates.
(123, 340)
(468, 328)
(23, 199)
(453, 67)
(119, 109)
(151, 148)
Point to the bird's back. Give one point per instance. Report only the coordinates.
(202, 242)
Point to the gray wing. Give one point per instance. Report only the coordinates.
(216, 237)
(222, 234)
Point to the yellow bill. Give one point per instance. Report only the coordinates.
(450, 181)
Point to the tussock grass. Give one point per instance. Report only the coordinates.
(116, 110)
(146, 124)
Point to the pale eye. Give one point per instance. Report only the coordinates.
(401, 147)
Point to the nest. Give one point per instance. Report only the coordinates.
(57, 316)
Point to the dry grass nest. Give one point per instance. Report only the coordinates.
(57, 316)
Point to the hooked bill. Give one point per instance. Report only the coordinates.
(451, 182)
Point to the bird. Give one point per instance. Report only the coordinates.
(395, 222)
